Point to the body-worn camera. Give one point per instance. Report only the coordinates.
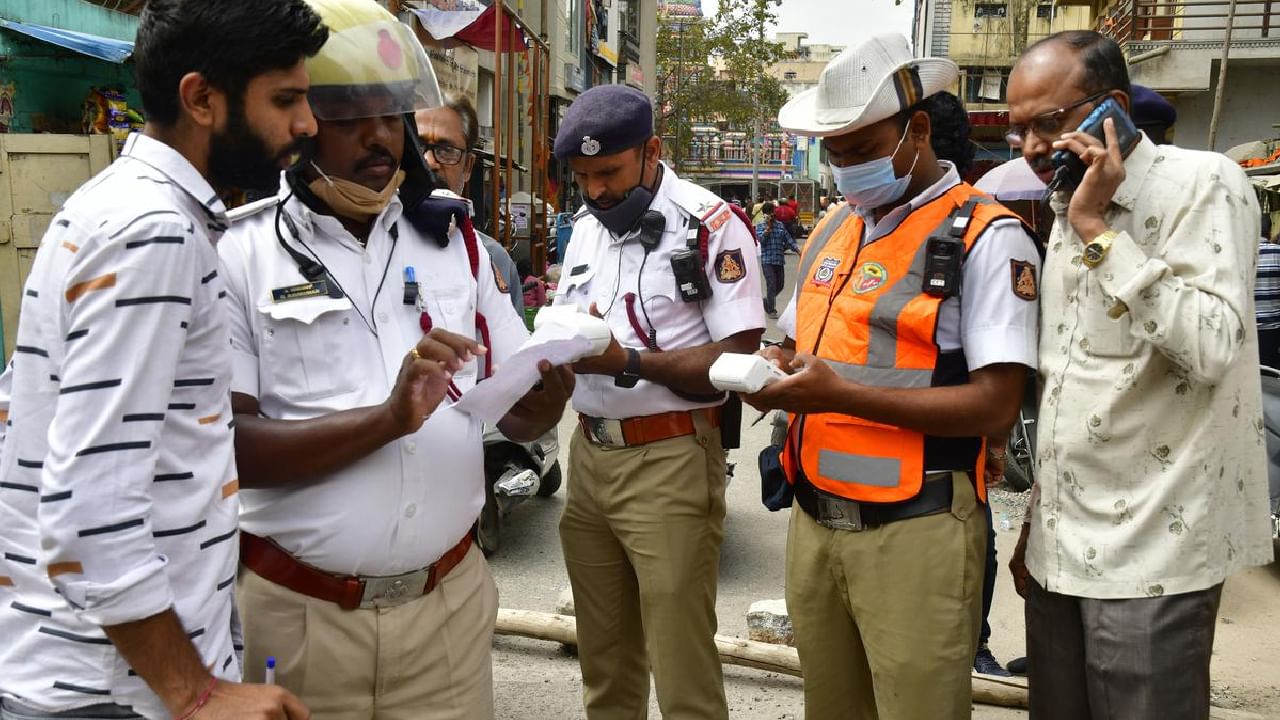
(943, 257)
(688, 265)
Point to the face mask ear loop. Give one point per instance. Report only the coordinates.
(901, 140)
(327, 179)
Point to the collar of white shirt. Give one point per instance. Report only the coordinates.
(316, 224)
(874, 230)
(175, 166)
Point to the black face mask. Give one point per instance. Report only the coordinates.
(240, 159)
(622, 217)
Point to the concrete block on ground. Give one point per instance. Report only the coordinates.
(768, 622)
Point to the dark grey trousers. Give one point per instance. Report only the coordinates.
(1132, 659)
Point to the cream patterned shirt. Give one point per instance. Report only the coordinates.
(1151, 472)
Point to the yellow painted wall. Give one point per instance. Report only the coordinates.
(988, 41)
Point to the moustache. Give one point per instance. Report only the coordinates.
(377, 157)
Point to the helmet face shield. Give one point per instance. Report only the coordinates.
(371, 66)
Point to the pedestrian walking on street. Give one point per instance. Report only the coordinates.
(118, 490)
(1152, 486)
(908, 342)
(674, 272)
(358, 302)
(774, 242)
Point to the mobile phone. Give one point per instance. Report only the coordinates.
(1070, 169)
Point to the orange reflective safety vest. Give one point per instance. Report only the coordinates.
(864, 311)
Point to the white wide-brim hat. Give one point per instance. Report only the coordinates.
(865, 84)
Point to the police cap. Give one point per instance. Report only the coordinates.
(604, 120)
(1150, 108)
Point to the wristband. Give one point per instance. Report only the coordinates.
(200, 701)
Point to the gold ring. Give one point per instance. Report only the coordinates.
(415, 354)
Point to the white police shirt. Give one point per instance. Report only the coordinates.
(991, 322)
(637, 293)
(401, 507)
(118, 491)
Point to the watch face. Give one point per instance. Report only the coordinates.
(1093, 253)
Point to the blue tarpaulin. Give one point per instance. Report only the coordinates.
(102, 48)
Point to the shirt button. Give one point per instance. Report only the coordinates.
(368, 259)
(410, 447)
(411, 511)
(383, 317)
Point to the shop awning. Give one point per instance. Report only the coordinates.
(472, 27)
(102, 48)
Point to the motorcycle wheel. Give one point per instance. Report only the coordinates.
(489, 526)
(550, 482)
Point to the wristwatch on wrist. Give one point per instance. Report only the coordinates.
(630, 374)
(1095, 251)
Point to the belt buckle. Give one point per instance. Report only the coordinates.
(392, 590)
(841, 515)
(603, 431)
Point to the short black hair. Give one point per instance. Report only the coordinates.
(949, 131)
(229, 42)
(1104, 64)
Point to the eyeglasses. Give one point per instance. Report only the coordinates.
(1046, 126)
(445, 153)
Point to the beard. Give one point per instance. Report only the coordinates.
(239, 159)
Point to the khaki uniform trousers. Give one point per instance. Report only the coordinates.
(886, 620)
(428, 659)
(641, 533)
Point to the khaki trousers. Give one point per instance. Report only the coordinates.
(641, 533)
(428, 659)
(886, 620)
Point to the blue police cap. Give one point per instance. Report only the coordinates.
(1150, 108)
(604, 120)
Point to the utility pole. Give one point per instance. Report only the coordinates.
(757, 131)
(675, 100)
(1222, 76)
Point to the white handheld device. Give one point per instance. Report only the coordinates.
(587, 326)
(744, 373)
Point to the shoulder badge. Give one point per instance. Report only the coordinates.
(1023, 277)
(503, 287)
(729, 266)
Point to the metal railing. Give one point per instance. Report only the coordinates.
(1163, 22)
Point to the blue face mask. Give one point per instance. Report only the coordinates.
(873, 184)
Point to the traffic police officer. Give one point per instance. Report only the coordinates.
(355, 310)
(675, 274)
(909, 339)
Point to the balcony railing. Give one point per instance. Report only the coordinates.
(1162, 22)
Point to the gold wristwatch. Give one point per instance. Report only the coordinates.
(1095, 251)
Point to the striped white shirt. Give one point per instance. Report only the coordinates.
(117, 474)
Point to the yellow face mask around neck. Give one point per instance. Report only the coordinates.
(352, 200)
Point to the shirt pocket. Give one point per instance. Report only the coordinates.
(453, 308)
(307, 348)
(576, 288)
(1105, 336)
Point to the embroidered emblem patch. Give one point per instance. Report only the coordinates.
(826, 271)
(503, 287)
(718, 221)
(590, 146)
(869, 277)
(1023, 276)
(729, 266)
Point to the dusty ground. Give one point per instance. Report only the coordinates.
(536, 680)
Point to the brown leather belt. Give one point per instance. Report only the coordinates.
(350, 592)
(630, 432)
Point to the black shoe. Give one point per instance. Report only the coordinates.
(1018, 666)
(985, 663)
(773, 314)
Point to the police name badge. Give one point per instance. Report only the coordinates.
(590, 146)
(318, 288)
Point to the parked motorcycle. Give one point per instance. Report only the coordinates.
(513, 473)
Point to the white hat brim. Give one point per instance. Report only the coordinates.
(800, 114)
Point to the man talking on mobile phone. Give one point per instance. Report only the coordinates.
(1152, 480)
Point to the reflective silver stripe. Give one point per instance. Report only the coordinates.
(819, 241)
(882, 377)
(861, 469)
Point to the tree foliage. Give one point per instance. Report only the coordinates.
(713, 71)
